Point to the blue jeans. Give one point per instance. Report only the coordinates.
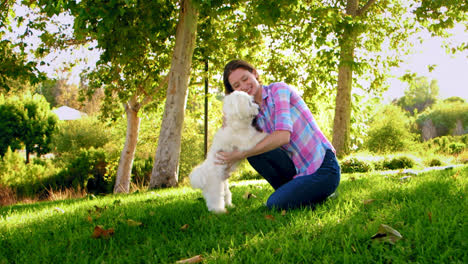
(278, 169)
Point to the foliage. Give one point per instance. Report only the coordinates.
(192, 147)
(11, 118)
(25, 179)
(353, 164)
(88, 170)
(419, 95)
(437, 16)
(84, 133)
(448, 144)
(29, 121)
(444, 116)
(398, 162)
(389, 130)
(39, 125)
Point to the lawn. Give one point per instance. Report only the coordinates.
(164, 226)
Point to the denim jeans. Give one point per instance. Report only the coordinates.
(278, 169)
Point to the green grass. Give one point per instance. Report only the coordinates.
(429, 210)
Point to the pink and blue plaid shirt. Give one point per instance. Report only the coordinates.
(283, 109)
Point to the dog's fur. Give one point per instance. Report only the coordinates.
(238, 134)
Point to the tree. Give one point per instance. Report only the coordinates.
(14, 64)
(39, 125)
(419, 95)
(27, 121)
(166, 161)
(11, 117)
(340, 41)
(135, 38)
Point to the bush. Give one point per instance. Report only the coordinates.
(353, 164)
(141, 171)
(401, 162)
(435, 162)
(444, 116)
(456, 148)
(84, 133)
(88, 170)
(453, 145)
(389, 131)
(25, 179)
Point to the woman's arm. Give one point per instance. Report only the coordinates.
(272, 141)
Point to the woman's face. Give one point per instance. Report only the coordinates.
(243, 80)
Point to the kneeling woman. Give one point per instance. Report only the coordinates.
(295, 158)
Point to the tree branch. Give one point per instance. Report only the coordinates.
(363, 10)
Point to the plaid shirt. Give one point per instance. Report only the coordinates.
(283, 109)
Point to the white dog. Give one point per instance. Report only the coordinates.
(238, 133)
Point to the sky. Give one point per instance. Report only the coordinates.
(451, 71)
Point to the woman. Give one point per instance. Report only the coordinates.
(295, 158)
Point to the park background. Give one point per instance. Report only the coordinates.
(385, 79)
(135, 69)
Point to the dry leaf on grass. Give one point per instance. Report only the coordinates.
(283, 213)
(269, 217)
(429, 214)
(131, 222)
(195, 259)
(387, 234)
(248, 195)
(100, 232)
(184, 227)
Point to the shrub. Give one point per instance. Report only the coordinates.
(83, 133)
(141, 171)
(444, 116)
(353, 164)
(456, 148)
(389, 131)
(24, 179)
(400, 162)
(435, 162)
(88, 170)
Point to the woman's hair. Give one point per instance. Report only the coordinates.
(232, 66)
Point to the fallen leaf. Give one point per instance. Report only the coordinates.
(249, 195)
(368, 201)
(387, 234)
(353, 248)
(283, 213)
(195, 259)
(99, 209)
(184, 227)
(89, 218)
(131, 222)
(100, 232)
(60, 210)
(429, 214)
(269, 217)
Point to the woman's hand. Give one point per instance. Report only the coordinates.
(228, 158)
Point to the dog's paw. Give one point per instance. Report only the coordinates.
(218, 210)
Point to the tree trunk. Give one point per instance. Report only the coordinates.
(166, 161)
(342, 121)
(122, 182)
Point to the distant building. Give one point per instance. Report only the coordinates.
(68, 113)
